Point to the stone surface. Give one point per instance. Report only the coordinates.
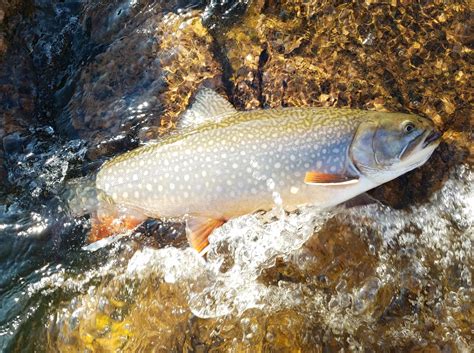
(136, 87)
(411, 57)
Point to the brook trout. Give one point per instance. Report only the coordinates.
(223, 163)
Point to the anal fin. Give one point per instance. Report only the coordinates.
(198, 230)
(105, 226)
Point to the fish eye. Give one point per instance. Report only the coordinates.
(408, 127)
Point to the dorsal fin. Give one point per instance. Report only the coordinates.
(208, 106)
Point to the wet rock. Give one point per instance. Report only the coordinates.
(362, 55)
(137, 87)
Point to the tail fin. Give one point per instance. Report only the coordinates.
(81, 196)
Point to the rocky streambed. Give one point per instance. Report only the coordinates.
(83, 81)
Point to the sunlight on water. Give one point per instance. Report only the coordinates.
(250, 244)
(430, 240)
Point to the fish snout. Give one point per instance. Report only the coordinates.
(432, 137)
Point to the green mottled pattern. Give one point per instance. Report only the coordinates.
(248, 161)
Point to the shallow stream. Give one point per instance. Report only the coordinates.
(81, 82)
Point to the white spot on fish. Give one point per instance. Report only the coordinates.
(294, 190)
(172, 186)
(277, 165)
(149, 187)
(270, 184)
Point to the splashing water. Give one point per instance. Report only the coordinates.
(406, 252)
(250, 244)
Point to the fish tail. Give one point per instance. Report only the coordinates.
(83, 198)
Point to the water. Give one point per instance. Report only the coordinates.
(108, 76)
(384, 271)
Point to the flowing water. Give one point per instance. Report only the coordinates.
(391, 276)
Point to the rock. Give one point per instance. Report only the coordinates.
(137, 87)
(360, 55)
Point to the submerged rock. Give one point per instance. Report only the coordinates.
(363, 55)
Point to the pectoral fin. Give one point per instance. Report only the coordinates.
(198, 230)
(317, 178)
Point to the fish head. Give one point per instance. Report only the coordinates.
(387, 145)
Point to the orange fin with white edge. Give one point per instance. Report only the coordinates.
(198, 230)
(317, 178)
(105, 226)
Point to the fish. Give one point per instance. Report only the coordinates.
(221, 163)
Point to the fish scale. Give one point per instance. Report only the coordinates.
(197, 173)
(232, 163)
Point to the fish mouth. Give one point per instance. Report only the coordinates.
(431, 138)
(420, 144)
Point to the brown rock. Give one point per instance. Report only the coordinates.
(143, 82)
